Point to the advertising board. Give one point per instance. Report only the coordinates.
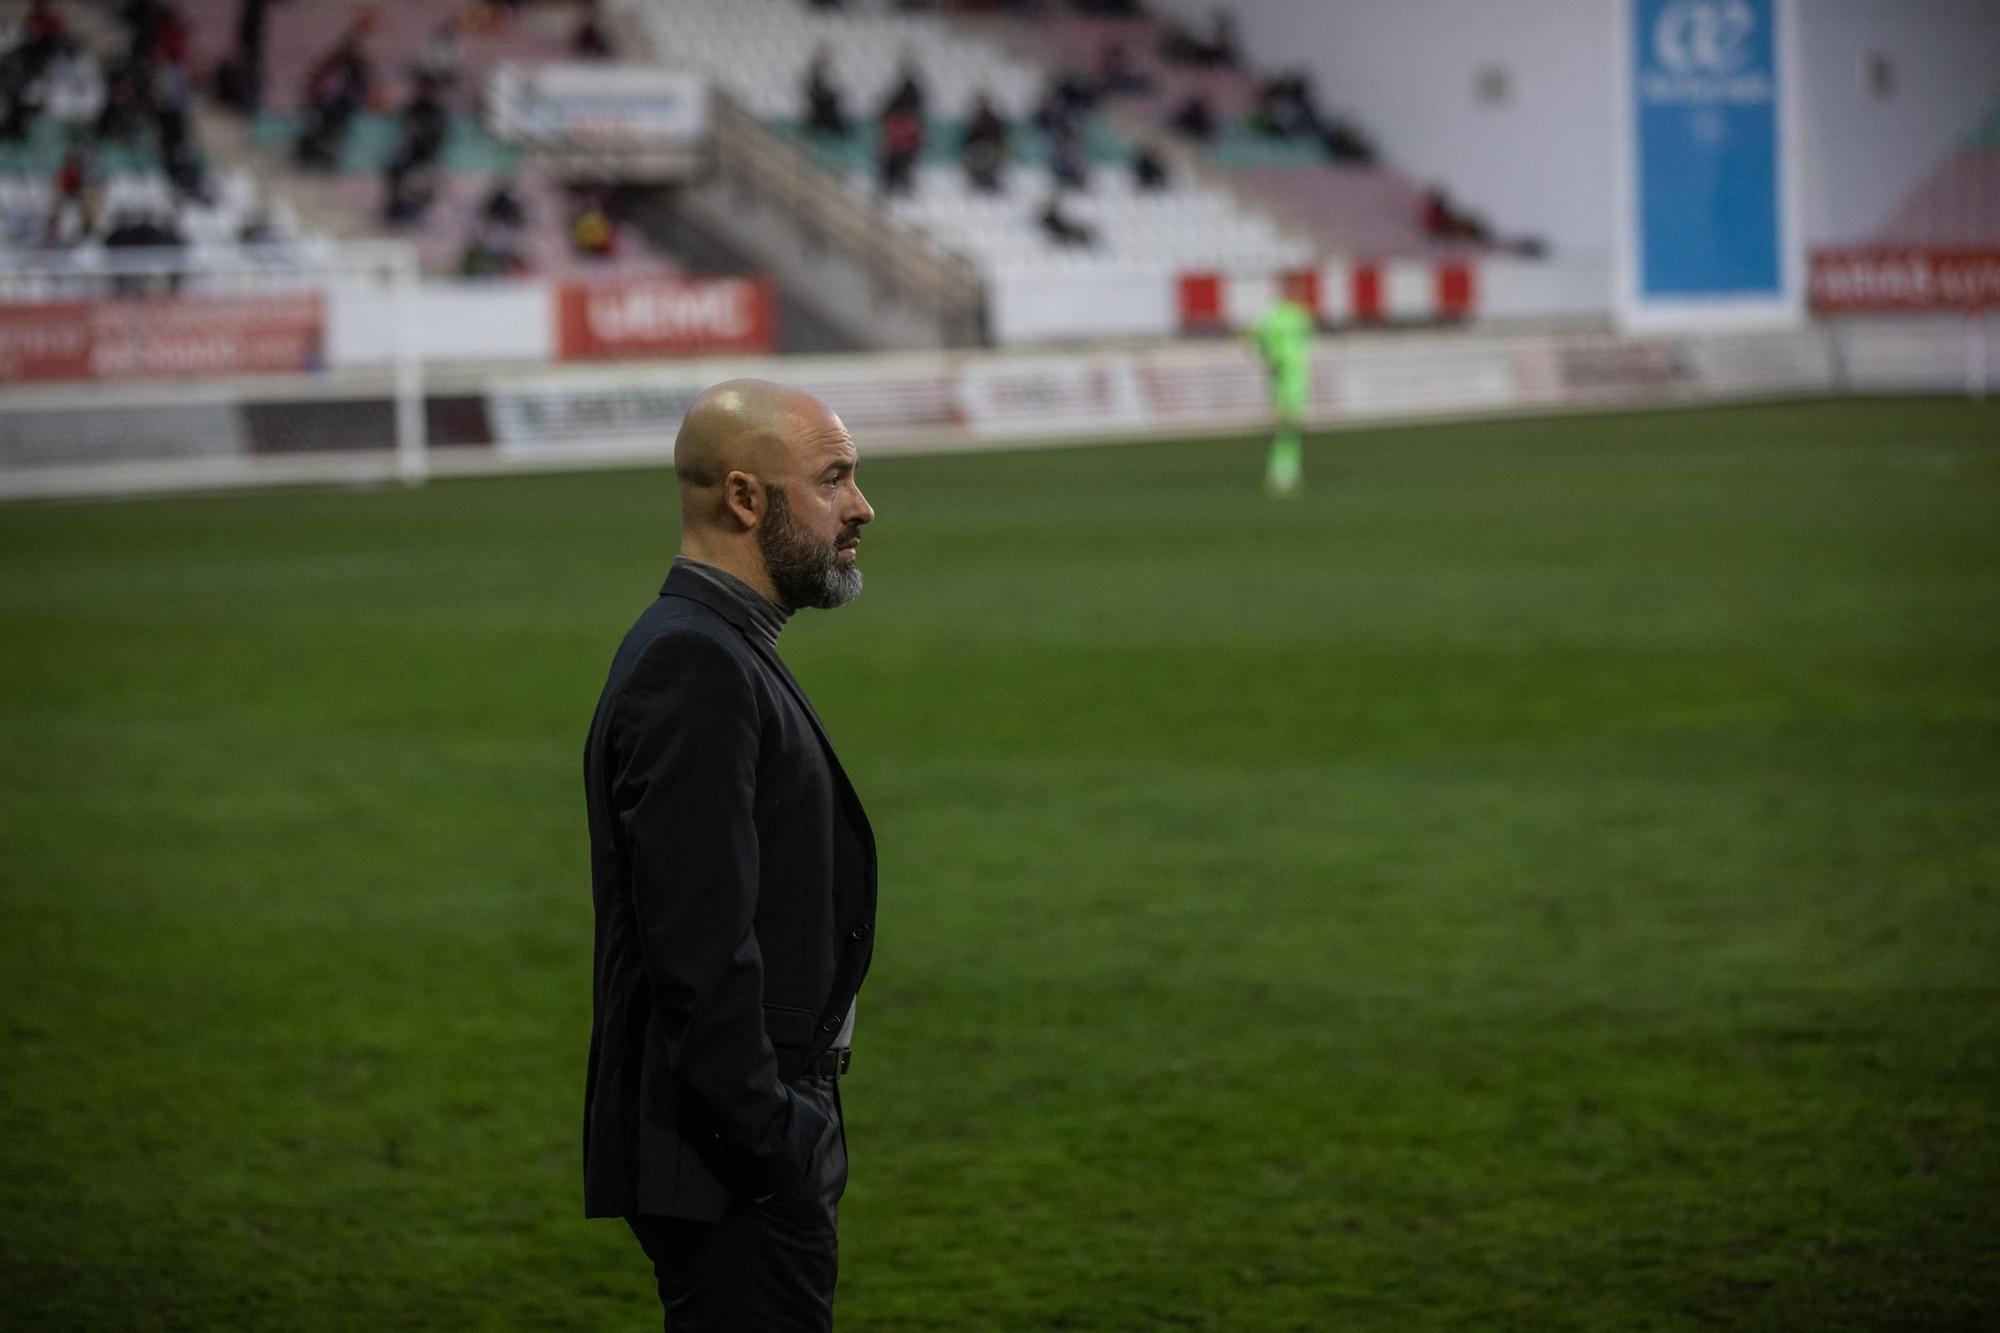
(1881, 280)
(162, 337)
(1708, 234)
(663, 317)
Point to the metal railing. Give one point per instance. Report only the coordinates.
(904, 262)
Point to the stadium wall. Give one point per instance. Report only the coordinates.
(1420, 77)
(101, 439)
(1867, 142)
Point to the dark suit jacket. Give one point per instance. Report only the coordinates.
(734, 876)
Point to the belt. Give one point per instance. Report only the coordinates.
(832, 1064)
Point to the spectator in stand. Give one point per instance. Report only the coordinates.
(26, 95)
(492, 251)
(41, 25)
(74, 96)
(986, 122)
(127, 93)
(173, 101)
(1068, 162)
(156, 33)
(1063, 229)
(1218, 51)
(985, 148)
(240, 78)
(171, 36)
(1195, 119)
(409, 182)
(408, 191)
(1149, 171)
(73, 173)
(1117, 76)
(337, 88)
(138, 16)
(589, 40)
(908, 94)
(43, 33)
(1285, 108)
(437, 62)
(184, 171)
(425, 123)
(1068, 99)
(985, 165)
(18, 107)
(1345, 142)
(1434, 211)
(825, 111)
(503, 206)
(593, 232)
(1222, 51)
(78, 198)
(25, 70)
(902, 143)
(1444, 221)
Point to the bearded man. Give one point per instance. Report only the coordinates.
(733, 872)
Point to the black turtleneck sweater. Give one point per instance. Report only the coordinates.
(765, 614)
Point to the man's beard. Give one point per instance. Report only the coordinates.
(805, 570)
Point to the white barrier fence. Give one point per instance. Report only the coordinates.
(114, 356)
(325, 307)
(57, 440)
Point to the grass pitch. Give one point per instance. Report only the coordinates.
(1546, 878)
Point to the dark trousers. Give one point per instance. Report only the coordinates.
(768, 1267)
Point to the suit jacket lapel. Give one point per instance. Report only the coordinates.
(848, 795)
(682, 583)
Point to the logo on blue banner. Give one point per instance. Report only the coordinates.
(1705, 90)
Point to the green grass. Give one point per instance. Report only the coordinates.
(1543, 879)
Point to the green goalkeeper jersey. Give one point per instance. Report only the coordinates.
(1284, 336)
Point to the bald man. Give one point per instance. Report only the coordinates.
(734, 877)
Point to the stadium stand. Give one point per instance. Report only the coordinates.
(1958, 202)
(1062, 200)
(99, 149)
(1265, 131)
(374, 72)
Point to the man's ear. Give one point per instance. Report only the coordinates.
(743, 497)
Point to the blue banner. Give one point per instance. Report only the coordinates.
(1705, 103)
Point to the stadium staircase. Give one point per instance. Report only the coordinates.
(757, 53)
(863, 280)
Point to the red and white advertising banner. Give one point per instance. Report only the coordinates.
(162, 337)
(659, 317)
(1888, 279)
(1396, 291)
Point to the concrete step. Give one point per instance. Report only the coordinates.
(225, 136)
